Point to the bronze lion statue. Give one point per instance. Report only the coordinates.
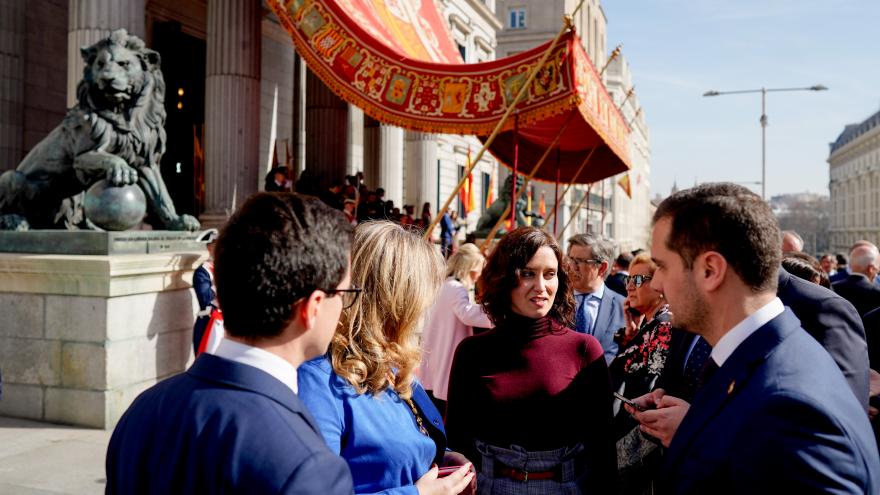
(115, 132)
(491, 215)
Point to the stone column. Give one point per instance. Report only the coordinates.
(91, 20)
(390, 176)
(354, 159)
(232, 106)
(299, 115)
(12, 22)
(421, 170)
(327, 124)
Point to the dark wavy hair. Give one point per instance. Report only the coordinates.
(499, 277)
(276, 249)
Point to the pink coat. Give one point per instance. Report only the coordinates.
(448, 322)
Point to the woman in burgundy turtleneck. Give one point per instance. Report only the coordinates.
(530, 401)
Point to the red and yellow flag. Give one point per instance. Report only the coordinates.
(490, 194)
(542, 207)
(624, 184)
(529, 205)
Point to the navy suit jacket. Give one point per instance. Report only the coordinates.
(834, 323)
(203, 287)
(777, 417)
(221, 427)
(861, 292)
(609, 319)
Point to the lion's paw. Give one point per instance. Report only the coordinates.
(185, 222)
(120, 173)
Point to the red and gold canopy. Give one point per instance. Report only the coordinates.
(396, 61)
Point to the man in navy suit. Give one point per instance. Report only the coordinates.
(233, 422)
(859, 287)
(598, 309)
(774, 414)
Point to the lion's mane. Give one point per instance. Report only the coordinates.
(134, 131)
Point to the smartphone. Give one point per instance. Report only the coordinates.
(446, 471)
(628, 401)
(633, 311)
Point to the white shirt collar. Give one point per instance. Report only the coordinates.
(738, 334)
(599, 294)
(261, 359)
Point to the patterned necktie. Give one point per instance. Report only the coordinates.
(582, 318)
(693, 370)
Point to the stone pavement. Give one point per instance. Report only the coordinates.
(47, 459)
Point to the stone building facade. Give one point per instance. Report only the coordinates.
(854, 182)
(528, 23)
(631, 216)
(236, 90)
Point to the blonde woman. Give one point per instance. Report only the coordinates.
(363, 394)
(451, 320)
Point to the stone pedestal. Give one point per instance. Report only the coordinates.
(82, 336)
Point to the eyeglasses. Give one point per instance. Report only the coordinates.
(584, 261)
(349, 296)
(637, 280)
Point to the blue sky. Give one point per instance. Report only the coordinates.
(678, 49)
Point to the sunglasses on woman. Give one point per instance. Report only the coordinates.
(637, 280)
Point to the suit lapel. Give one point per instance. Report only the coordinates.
(215, 369)
(603, 315)
(726, 384)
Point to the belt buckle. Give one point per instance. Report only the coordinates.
(525, 476)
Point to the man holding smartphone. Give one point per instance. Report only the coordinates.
(775, 413)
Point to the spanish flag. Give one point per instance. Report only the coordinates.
(625, 185)
(490, 194)
(542, 207)
(529, 206)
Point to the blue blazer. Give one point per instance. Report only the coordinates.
(221, 427)
(777, 417)
(203, 287)
(834, 323)
(377, 435)
(609, 319)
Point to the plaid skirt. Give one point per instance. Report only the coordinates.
(570, 481)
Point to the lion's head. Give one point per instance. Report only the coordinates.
(123, 85)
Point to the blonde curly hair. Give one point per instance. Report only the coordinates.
(400, 274)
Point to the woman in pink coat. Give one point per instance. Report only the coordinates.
(450, 320)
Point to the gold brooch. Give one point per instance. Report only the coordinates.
(730, 387)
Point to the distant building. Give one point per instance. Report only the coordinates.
(631, 216)
(854, 182)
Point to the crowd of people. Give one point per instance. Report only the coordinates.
(715, 362)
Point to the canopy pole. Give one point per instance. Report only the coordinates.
(515, 166)
(590, 155)
(573, 180)
(566, 25)
(534, 171)
(576, 210)
(556, 192)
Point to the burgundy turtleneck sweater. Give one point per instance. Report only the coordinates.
(536, 384)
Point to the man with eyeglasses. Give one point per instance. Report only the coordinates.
(598, 310)
(233, 423)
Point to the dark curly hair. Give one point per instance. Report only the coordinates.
(499, 277)
(276, 249)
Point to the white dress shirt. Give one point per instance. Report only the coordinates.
(738, 334)
(275, 365)
(591, 305)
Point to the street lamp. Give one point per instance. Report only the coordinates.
(764, 92)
